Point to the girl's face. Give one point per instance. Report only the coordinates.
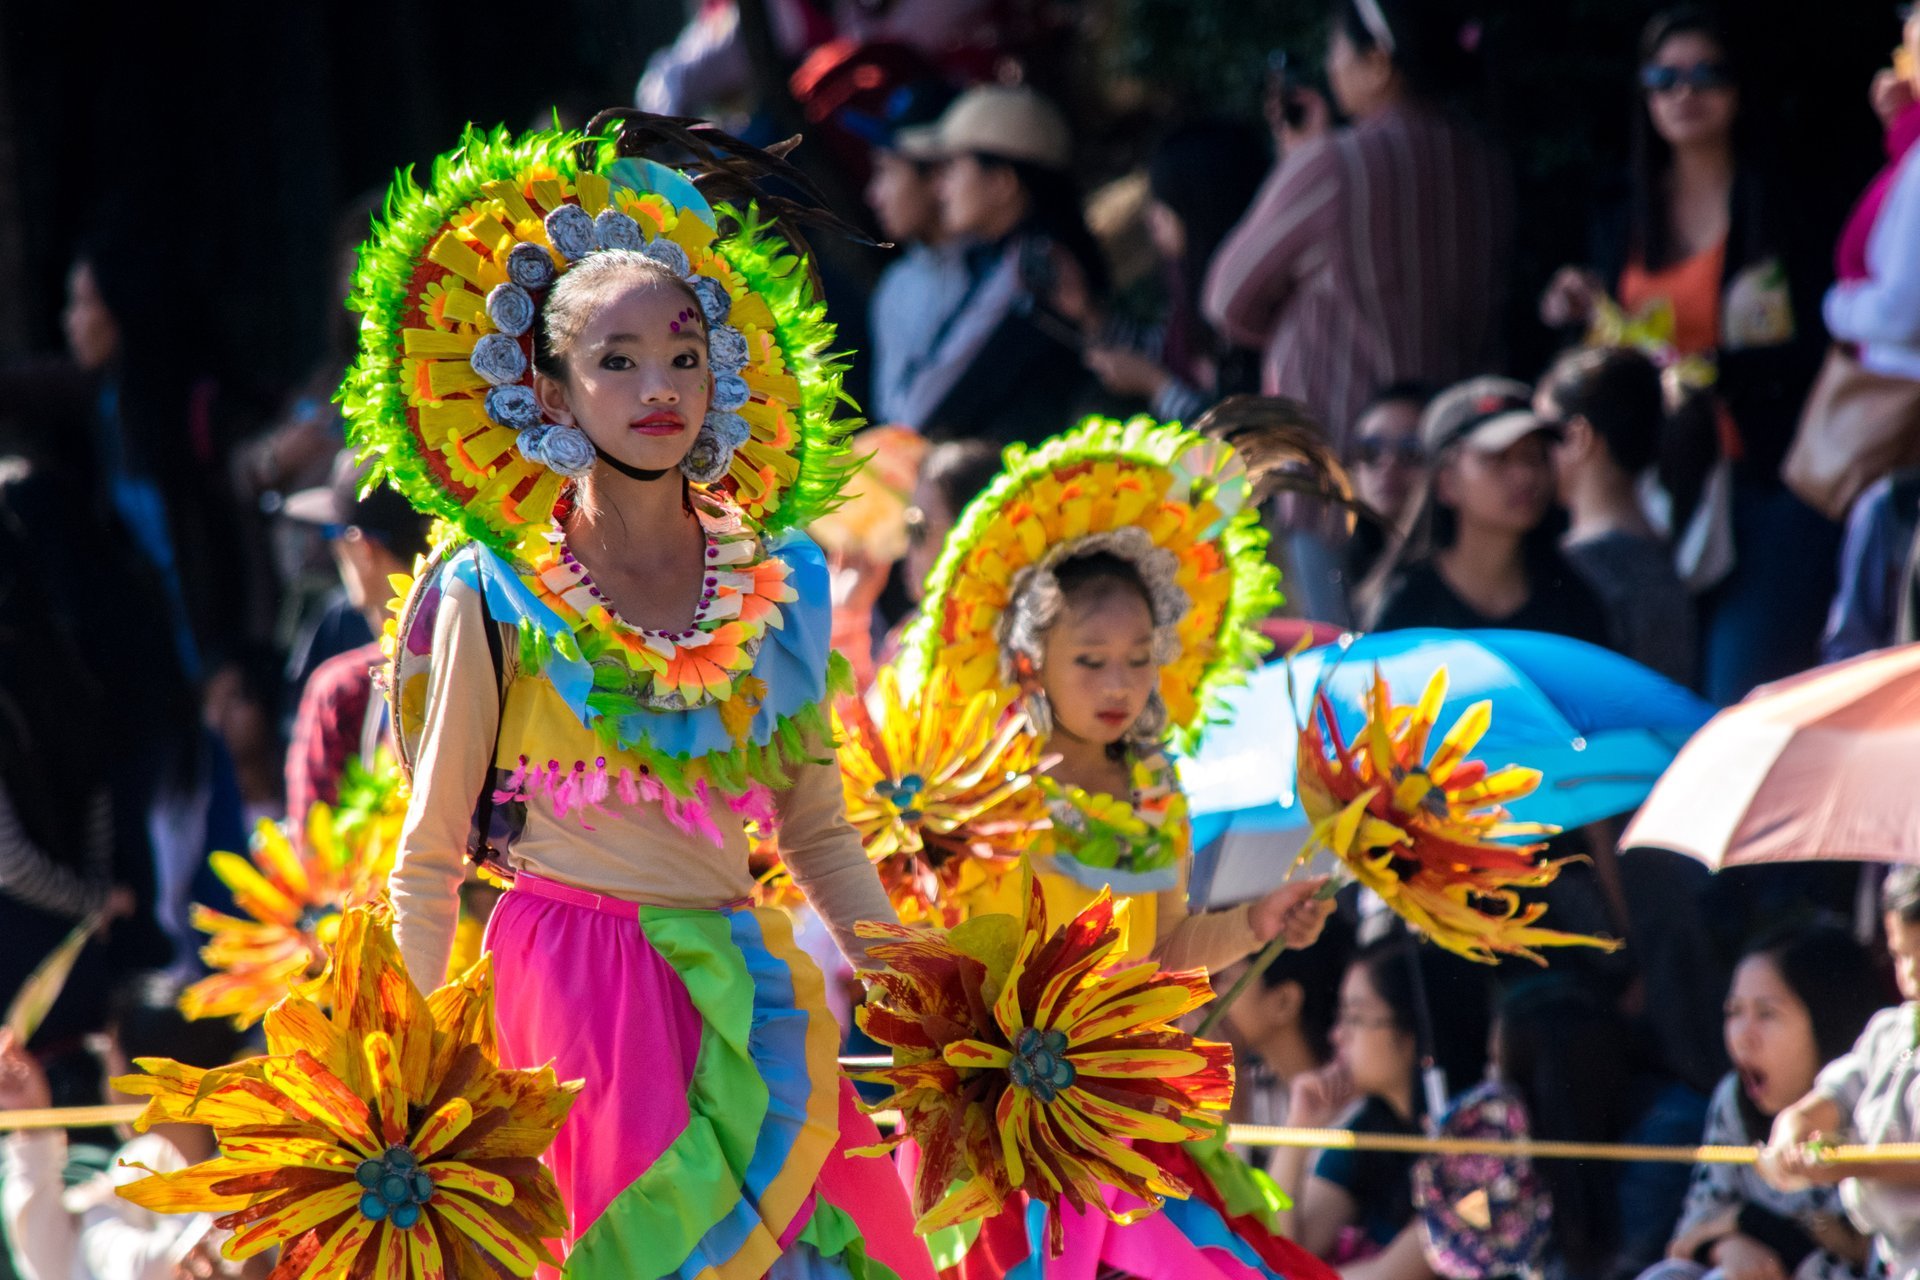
(1903, 945)
(1510, 491)
(1388, 459)
(93, 337)
(1369, 1043)
(1769, 1036)
(1699, 107)
(637, 377)
(1098, 671)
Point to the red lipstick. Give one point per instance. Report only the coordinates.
(659, 424)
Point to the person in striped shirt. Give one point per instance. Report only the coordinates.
(1373, 253)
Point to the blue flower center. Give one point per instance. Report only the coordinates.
(1040, 1063)
(903, 795)
(395, 1186)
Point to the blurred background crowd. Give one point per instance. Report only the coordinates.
(1561, 287)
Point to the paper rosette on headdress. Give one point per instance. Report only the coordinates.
(381, 1139)
(1164, 497)
(451, 285)
(1024, 1061)
(293, 893)
(1429, 834)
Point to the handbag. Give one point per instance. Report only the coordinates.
(1856, 426)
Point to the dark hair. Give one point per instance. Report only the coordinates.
(961, 470)
(1091, 578)
(1412, 391)
(1831, 974)
(1398, 967)
(1316, 970)
(1432, 42)
(1055, 213)
(144, 1014)
(1651, 157)
(1900, 894)
(1563, 1050)
(1207, 173)
(1617, 390)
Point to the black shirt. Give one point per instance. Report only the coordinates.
(1559, 602)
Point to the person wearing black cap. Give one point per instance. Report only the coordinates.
(1483, 552)
(372, 537)
(929, 279)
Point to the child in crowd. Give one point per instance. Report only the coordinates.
(1870, 1095)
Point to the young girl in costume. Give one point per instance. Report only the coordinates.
(616, 391)
(1114, 579)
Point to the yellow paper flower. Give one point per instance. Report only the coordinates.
(1023, 1062)
(941, 788)
(381, 1140)
(294, 895)
(1428, 835)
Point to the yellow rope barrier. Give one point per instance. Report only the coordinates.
(1257, 1135)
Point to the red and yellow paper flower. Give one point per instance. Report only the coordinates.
(1023, 1062)
(294, 894)
(1427, 834)
(941, 787)
(379, 1140)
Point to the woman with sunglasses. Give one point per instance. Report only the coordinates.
(1388, 461)
(1705, 235)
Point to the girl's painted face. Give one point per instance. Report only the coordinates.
(638, 382)
(1368, 1041)
(1769, 1036)
(1099, 669)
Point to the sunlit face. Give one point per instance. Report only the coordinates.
(93, 337)
(1903, 944)
(904, 198)
(1099, 671)
(1769, 1036)
(1388, 460)
(976, 199)
(1510, 491)
(637, 377)
(1359, 80)
(1368, 1042)
(1688, 114)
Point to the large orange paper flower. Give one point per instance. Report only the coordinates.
(940, 787)
(294, 894)
(1428, 835)
(380, 1140)
(1023, 1063)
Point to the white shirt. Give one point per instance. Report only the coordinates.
(86, 1232)
(1881, 314)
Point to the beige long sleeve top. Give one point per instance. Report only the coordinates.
(626, 851)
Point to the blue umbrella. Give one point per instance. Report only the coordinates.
(1601, 729)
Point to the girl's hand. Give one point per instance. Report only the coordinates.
(1314, 1099)
(1294, 910)
(23, 1084)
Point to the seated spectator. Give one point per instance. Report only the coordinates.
(1799, 999)
(929, 278)
(1357, 1207)
(1200, 180)
(1005, 363)
(86, 1232)
(1869, 1094)
(372, 538)
(1282, 1026)
(1340, 291)
(1484, 551)
(1388, 460)
(1607, 404)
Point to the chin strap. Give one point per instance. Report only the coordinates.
(632, 473)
